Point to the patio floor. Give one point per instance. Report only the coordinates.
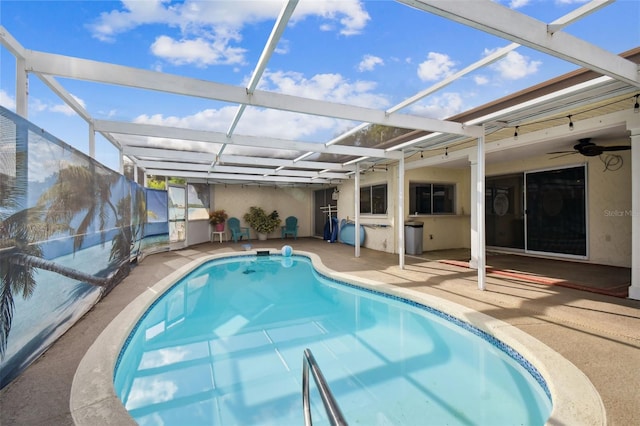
(597, 332)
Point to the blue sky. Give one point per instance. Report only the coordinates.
(368, 53)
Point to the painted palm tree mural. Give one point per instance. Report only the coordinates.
(71, 206)
(70, 217)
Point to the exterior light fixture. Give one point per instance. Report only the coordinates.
(636, 106)
(570, 122)
(515, 134)
(334, 195)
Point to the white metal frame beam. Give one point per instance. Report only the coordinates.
(269, 48)
(158, 131)
(238, 177)
(139, 152)
(172, 165)
(102, 72)
(577, 14)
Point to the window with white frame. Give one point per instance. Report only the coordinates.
(432, 198)
(373, 199)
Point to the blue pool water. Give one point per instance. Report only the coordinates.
(224, 346)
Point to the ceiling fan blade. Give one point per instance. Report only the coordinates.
(562, 154)
(616, 148)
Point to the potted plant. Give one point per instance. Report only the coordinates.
(217, 219)
(262, 222)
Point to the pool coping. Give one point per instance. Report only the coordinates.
(94, 401)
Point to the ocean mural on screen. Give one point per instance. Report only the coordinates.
(70, 229)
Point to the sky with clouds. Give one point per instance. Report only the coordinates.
(366, 53)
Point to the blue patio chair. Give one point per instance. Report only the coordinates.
(290, 227)
(236, 230)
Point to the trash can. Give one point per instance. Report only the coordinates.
(413, 237)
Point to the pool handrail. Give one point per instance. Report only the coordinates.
(330, 404)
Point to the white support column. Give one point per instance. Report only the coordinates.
(400, 220)
(121, 155)
(92, 141)
(479, 189)
(22, 88)
(473, 262)
(356, 198)
(634, 290)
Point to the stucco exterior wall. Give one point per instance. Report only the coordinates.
(608, 205)
(379, 229)
(236, 200)
(439, 231)
(608, 202)
(443, 231)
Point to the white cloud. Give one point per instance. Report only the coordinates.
(283, 47)
(516, 4)
(515, 66)
(571, 1)
(110, 114)
(7, 101)
(198, 51)
(369, 62)
(347, 16)
(210, 31)
(437, 66)
(147, 391)
(329, 87)
(133, 14)
(255, 121)
(276, 123)
(440, 107)
(480, 80)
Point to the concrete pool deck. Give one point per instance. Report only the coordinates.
(599, 334)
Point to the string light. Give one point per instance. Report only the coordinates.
(555, 119)
(570, 122)
(515, 134)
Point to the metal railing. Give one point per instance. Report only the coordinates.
(330, 404)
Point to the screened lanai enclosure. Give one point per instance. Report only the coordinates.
(71, 227)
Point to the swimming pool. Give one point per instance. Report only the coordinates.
(359, 383)
(224, 346)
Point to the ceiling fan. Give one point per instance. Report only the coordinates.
(590, 149)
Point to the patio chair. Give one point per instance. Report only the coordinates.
(290, 227)
(236, 230)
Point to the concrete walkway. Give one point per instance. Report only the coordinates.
(598, 333)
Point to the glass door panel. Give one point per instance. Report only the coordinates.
(177, 213)
(504, 211)
(556, 211)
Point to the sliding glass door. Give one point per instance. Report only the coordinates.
(541, 211)
(556, 211)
